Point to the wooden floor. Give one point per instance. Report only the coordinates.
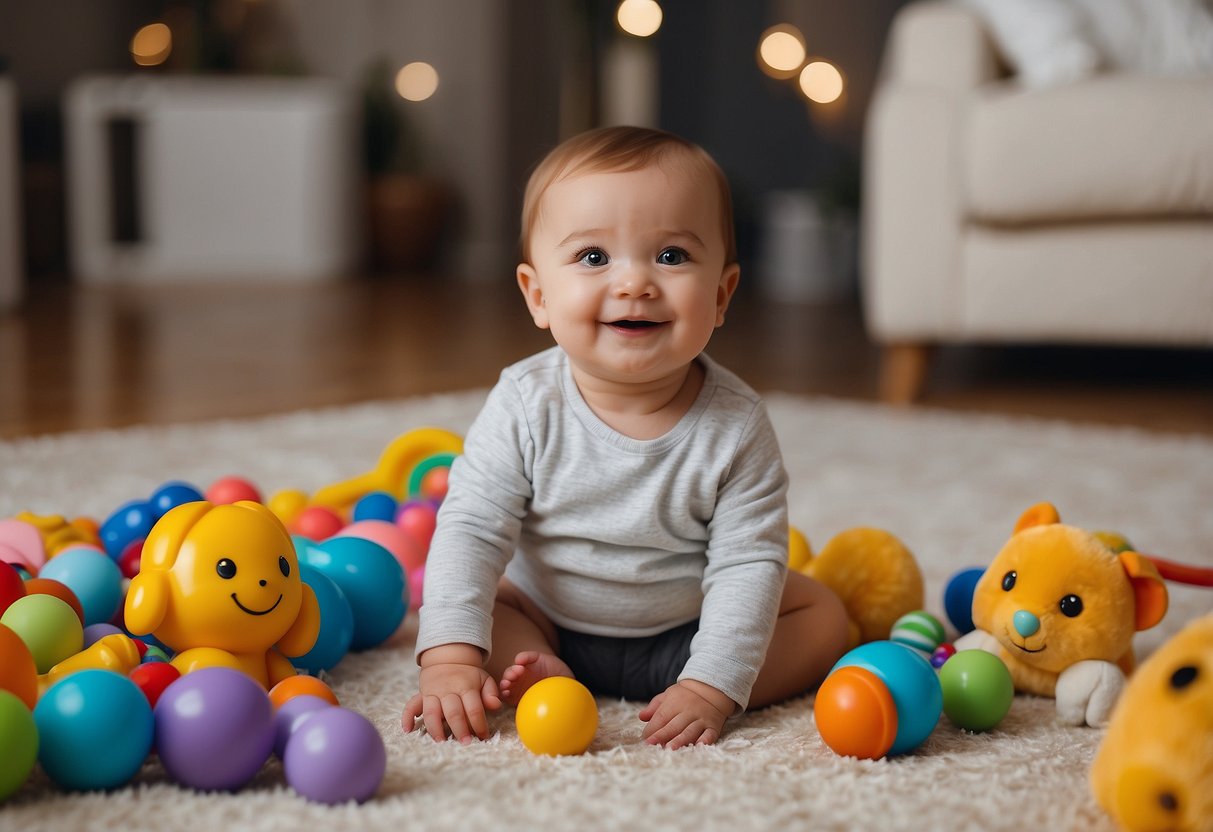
(74, 358)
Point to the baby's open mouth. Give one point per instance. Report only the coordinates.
(255, 612)
(632, 324)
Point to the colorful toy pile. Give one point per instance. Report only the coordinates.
(182, 623)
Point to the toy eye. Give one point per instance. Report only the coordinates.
(1184, 676)
(1071, 606)
(285, 566)
(1008, 581)
(226, 568)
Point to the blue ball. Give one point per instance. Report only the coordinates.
(371, 579)
(130, 522)
(172, 494)
(94, 577)
(336, 623)
(911, 681)
(376, 505)
(958, 598)
(95, 729)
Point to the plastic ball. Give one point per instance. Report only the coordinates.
(855, 714)
(912, 683)
(977, 690)
(403, 546)
(22, 543)
(335, 755)
(153, 678)
(95, 729)
(287, 505)
(557, 716)
(18, 673)
(93, 577)
(435, 483)
(214, 728)
(336, 623)
(416, 587)
(422, 484)
(95, 632)
(172, 494)
(290, 715)
(57, 589)
(375, 505)
(918, 630)
(226, 490)
(155, 654)
(372, 581)
(130, 521)
(19, 739)
(301, 685)
(958, 598)
(317, 523)
(48, 626)
(418, 519)
(800, 553)
(131, 559)
(12, 586)
(941, 654)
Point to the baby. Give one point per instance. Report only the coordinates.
(619, 513)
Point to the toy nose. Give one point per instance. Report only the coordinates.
(1146, 798)
(1025, 623)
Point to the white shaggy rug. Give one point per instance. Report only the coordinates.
(951, 486)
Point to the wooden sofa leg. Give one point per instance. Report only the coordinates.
(903, 371)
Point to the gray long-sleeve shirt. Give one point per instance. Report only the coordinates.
(611, 535)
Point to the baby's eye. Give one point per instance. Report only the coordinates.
(592, 257)
(284, 566)
(226, 568)
(672, 257)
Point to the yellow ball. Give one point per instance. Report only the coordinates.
(288, 505)
(557, 716)
(800, 553)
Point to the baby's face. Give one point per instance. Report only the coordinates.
(628, 271)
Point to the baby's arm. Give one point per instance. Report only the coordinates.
(455, 690)
(687, 712)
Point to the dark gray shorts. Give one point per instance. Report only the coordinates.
(629, 668)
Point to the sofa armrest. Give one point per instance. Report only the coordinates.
(943, 45)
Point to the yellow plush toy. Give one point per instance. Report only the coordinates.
(1060, 608)
(220, 586)
(1154, 769)
(873, 573)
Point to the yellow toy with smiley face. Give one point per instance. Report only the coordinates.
(220, 586)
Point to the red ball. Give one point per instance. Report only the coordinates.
(129, 560)
(418, 519)
(227, 490)
(153, 677)
(317, 523)
(11, 586)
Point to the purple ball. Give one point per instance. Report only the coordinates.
(95, 632)
(214, 728)
(291, 714)
(335, 755)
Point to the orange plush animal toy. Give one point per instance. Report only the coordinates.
(1060, 607)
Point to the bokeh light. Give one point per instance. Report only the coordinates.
(639, 17)
(781, 51)
(152, 44)
(417, 81)
(821, 82)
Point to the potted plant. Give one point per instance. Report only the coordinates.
(406, 209)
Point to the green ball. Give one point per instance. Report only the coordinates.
(19, 739)
(48, 626)
(977, 690)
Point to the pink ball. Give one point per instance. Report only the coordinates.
(227, 490)
(317, 523)
(416, 583)
(418, 518)
(403, 547)
(435, 483)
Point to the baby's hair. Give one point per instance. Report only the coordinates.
(621, 150)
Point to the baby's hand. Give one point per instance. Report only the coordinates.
(684, 713)
(455, 694)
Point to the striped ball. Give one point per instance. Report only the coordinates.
(919, 630)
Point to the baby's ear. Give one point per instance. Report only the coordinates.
(147, 602)
(532, 293)
(1041, 514)
(1149, 590)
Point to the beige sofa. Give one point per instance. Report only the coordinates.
(1079, 213)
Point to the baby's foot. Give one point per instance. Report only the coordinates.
(529, 668)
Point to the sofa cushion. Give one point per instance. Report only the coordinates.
(1110, 146)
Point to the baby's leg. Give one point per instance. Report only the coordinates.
(524, 642)
(810, 636)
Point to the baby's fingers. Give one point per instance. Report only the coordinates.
(474, 709)
(662, 734)
(412, 710)
(432, 716)
(456, 717)
(647, 712)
